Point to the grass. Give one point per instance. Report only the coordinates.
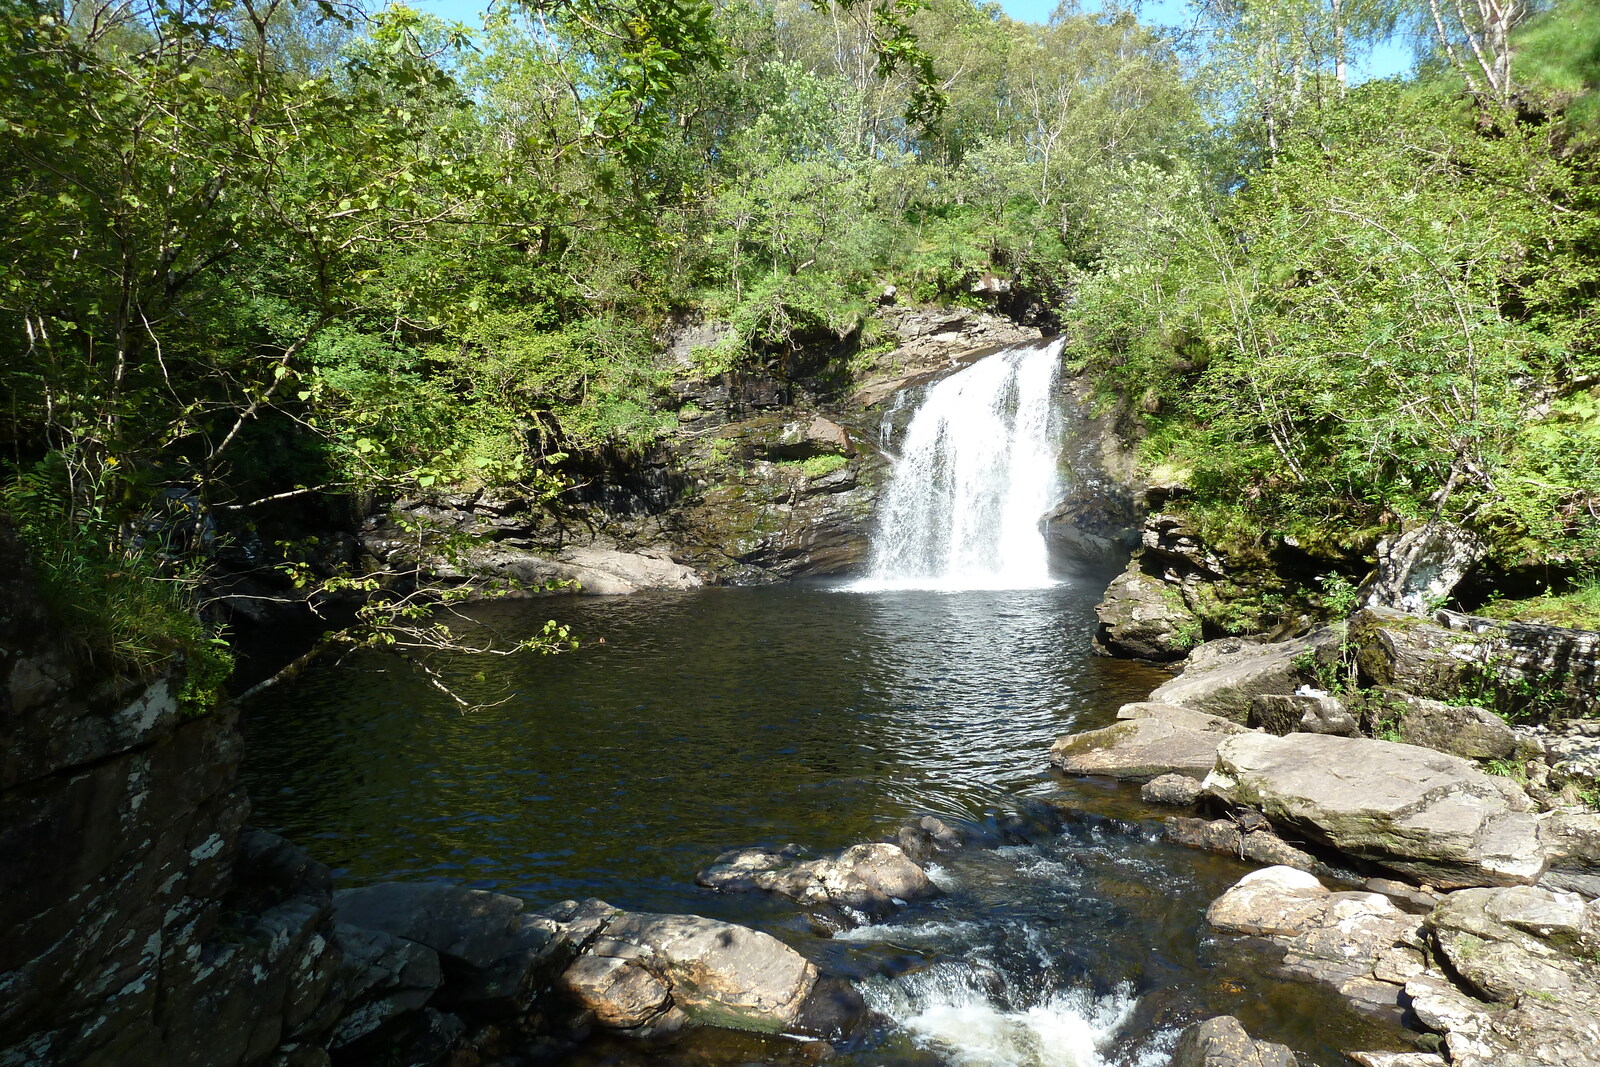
(1559, 52)
(1577, 608)
(817, 466)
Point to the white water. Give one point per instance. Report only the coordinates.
(957, 1011)
(976, 474)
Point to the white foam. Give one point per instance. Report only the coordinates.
(947, 1009)
(941, 876)
(911, 933)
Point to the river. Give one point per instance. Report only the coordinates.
(730, 717)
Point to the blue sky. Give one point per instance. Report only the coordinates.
(1387, 60)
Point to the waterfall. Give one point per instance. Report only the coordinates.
(976, 473)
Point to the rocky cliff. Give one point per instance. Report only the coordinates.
(130, 936)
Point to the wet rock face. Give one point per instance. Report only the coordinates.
(862, 882)
(138, 928)
(1431, 816)
(777, 497)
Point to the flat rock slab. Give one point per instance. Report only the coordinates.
(1151, 740)
(1428, 815)
(1224, 677)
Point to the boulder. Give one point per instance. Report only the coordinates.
(1223, 1042)
(1360, 943)
(1572, 841)
(643, 974)
(1176, 790)
(1527, 667)
(1426, 814)
(1459, 729)
(1224, 677)
(920, 840)
(1287, 713)
(1525, 984)
(1418, 570)
(1150, 740)
(861, 882)
(1143, 617)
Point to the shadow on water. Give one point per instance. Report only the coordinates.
(723, 718)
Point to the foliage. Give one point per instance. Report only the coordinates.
(263, 252)
(819, 466)
(1353, 334)
(128, 595)
(1578, 607)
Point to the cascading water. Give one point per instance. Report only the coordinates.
(976, 472)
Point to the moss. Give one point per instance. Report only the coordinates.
(820, 466)
(1577, 608)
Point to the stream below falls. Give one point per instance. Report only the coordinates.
(825, 716)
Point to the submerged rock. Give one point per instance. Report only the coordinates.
(1426, 814)
(1153, 739)
(1223, 1042)
(925, 837)
(1177, 790)
(865, 881)
(644, 974)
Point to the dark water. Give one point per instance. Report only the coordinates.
(724, 718)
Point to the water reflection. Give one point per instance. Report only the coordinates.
(707, 720)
